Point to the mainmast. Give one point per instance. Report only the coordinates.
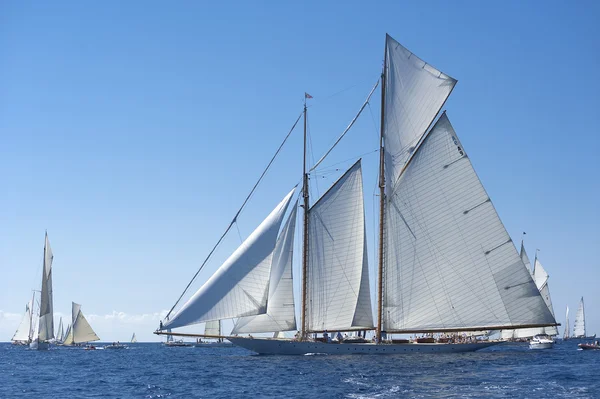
(305, 229)
(381, 203)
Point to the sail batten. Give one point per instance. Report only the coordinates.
(338, 277)
(240, 286)
(449, 262)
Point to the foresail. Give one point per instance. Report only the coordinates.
(68, 339)
(566, 333)
(449, 261)
(280, 315)
(240, 286)
(24, 330)
(540, 276)
(525, 258)
(46, 323)
(338, 275)
(579, 324)
(414, 94)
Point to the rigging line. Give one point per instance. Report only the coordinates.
(347, 128)
(236, 215)
(327, 170)
(237, 225)
(373, 119)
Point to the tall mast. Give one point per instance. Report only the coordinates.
(305, 231)
(381, 202)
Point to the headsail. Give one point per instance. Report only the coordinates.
(541, 281)
(23, 333)
(415, 93)
(59, 332)
(280, 315)
(240, 286)
(579, 324)
(46, 322)
(449, 262)
(525, 258)
(566, 332)
(338, 275)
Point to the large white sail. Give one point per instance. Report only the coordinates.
(46, 322)
(60, 332)
(449, 262)
(280, 315)
(415, 92)
(68, 336)
(579, 324)
(338, 275)
(525, 258)
(23, 333)
(80, 331)
(240, 286)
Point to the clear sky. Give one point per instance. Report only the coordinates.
(132, 131)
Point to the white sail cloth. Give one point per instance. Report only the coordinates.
(23, 333)
(46, 322)
(415, 92)
(566, 333)
(280, 314)
(80, 331)
(449, 261)
(338, 275)
(212, 327)
(579, 324)
(240, 286)
(541, 277)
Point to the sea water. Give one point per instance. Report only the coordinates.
(156, 371)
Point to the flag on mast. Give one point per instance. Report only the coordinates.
(306, 95)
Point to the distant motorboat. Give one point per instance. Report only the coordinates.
(116, 345)
(541, 341)
(587, 346)
(179, 343)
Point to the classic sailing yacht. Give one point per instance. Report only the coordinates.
(24, 332)
(566, 332)
(44, 326)
(446, 263)
(579, 324)
(80, 331)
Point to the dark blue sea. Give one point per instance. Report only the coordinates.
(155, 371)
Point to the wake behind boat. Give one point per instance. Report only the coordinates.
(466, 276)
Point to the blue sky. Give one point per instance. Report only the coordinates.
(133, 131)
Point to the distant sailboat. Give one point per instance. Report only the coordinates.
(579, 324)
(566, 333)
(44, 325)
(80, 331)
(212, 329)
(24, 332)
(60, 333)
(133, 339)
(446, 262)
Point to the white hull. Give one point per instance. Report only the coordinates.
(270, 346)
(541, 345)
(40, 346)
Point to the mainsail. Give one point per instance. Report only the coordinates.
(46, 320)
(449, 262)
(240, 286)
(60, 332)
(23, 333)
(212, 327)
(80, 331)
(338, 276)
(579, 324)
(280, 314)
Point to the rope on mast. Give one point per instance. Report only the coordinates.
(236, 216)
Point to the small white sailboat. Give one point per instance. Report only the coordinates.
(212, 329)
(566, 332)
(44, 325)
(446, 263)
(80, 331)
(134, 339)
(24, 332)
(579, 330)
